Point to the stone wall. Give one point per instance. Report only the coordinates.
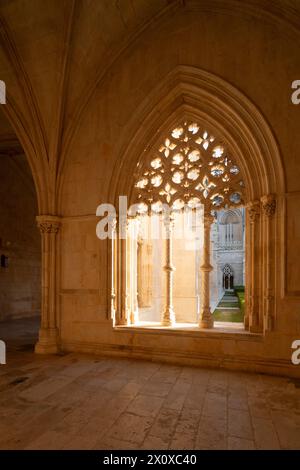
(216, 41)
(103, 94)
(20, 286)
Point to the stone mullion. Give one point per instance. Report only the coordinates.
(133, 269)
(113, 270)
(255, 320)
(127, 286)
(168, 317)
(247, 270)
(268, 210)
(118, 279)
(124, 311)
(48, 335)
(206, 319)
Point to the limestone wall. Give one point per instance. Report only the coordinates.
(217, 41)
(84, 92)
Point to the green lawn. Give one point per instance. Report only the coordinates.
(228, 304)
(228, 315)
(232, 315)
(241, 297)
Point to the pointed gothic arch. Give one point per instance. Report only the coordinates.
(228, 277)
(190, 94)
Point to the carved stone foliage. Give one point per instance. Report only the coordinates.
(48, 227)
(191, 166)
(48, 224)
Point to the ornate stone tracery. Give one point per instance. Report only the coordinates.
(190, 166)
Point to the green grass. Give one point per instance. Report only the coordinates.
(235, 316)
(232, 315)
(239, 289)
(241, 297)
(228, 304)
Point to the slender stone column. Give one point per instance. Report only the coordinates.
(48, 334)
(168, 317)
(144, 273)
(134, 311)
(113, 268)
(268, 211)
(123, 311)
(206, 319)
(254, 278)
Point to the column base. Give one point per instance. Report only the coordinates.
(48, 341)
(134, 317)
(254, 326)
(122, 322)
(168, 318)
(206, 320)
(255, 329)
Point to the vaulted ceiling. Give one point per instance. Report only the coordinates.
(54, 54)
(46, 47)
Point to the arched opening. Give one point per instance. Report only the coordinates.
(200, 97)
(20, 245)
(179, 188)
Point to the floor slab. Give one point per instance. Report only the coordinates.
(78, 401)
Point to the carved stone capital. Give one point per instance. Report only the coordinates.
(268, 203)
(48, 223)
(253, 211)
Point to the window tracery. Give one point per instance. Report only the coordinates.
(191, 166)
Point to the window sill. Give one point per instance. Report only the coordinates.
(225, 330)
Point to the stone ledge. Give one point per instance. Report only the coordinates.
(194, 331)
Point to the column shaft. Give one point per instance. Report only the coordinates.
(134, 312)
(268, 210)
(255, 321)
(113, 270)
(48, 334)
(206, 319)
(168, 317)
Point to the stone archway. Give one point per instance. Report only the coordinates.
(193, 94)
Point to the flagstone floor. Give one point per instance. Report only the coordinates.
(77, 401)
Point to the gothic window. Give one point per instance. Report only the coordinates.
(227, 277)
(227, 269)
(191, 166)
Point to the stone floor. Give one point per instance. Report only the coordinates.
(77, 401)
